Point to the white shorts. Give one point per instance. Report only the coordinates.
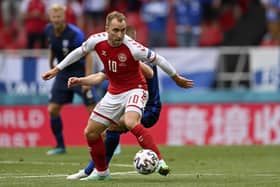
(112, 107)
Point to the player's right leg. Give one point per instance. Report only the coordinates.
(108, 111)
(93, 133)
(111, 142)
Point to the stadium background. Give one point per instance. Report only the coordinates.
(235, 100)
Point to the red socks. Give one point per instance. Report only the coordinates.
(97, 152)
(97, 147)
(145, 139)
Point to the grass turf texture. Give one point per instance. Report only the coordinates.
(190, 166)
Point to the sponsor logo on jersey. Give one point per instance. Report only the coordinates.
(122, 64)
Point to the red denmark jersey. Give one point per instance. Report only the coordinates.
(121, 64)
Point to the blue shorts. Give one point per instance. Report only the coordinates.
(150, 116)
(61, 94)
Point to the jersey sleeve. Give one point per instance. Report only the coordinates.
(147, 55)
(90, 43)
(143, 54)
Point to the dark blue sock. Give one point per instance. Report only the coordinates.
(111, 142)
(89, 167)
(56, 125)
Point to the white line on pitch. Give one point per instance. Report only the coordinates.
(33, 176)
(25, 175)
(12, 175)
(55, 163)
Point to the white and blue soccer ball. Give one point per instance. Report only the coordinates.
(145, 161)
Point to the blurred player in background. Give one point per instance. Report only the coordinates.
(150, 115)
(63, 38)
(127, 93)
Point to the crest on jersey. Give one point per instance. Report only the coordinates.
(122, 57)
(65, 43)
(104, 53)
(65, 49)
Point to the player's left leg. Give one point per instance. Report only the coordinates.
(146, 141)
(135, 103)
(149, 119)
(60, 95)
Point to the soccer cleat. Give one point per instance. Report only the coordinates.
(163, 168)
(94, 176)
(56, 151)
(79, 175)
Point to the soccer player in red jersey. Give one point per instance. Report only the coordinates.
(127, 91)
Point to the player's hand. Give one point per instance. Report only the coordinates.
(50, 74)
(73, 81)
(182, 81)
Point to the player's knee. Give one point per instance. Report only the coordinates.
(130, 120)
(90, 135)
(94, 130)
(53, 113)
(129, 124)
(54, 110)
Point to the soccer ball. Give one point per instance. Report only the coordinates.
(145, 161)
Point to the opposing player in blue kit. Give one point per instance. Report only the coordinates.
(150, 116)
(64, 38)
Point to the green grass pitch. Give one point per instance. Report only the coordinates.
(190, 166)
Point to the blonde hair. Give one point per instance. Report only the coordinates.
(115, 14)
(57, 7)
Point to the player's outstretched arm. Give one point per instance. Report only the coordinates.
(90, 80)
(72, 57)
(170, 70)
(146, 70)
